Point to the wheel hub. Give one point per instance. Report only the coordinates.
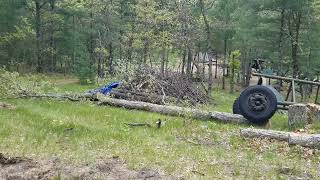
(258, 102)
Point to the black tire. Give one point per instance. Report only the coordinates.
(257, 104)
(235, 107)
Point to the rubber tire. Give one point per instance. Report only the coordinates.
(253, 116)
(235, 107)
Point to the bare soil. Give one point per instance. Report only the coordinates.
(15, 168)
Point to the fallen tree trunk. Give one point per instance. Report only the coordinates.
(173, 110)
(166, 110)
(155, 99)
(262, 133)
(305, 140)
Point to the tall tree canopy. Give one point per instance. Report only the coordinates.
(97, 38)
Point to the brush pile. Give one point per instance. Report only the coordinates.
(160, 89)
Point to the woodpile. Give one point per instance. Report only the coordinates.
(305, 140)
(159, 88)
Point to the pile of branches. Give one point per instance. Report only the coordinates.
(14, 85)
(171, 87)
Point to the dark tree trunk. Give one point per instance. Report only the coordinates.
(163, 60)
(111, 68)
(184, 61)
(52, 44)
(295, 35)
(281, 41)
(38, 36)
(209, 43)
(189, 63)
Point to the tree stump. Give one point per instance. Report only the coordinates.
(299, 116)
(314, 112)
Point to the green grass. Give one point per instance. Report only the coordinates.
(83, 132)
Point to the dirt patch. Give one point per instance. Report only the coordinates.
(26, 169)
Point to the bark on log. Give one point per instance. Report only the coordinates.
(312, 141)
(298, 116)
(262, 133)
(151, 98)
(314, 112)
(305, 140)
(173, 110)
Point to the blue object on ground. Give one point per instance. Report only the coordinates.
(106, 90)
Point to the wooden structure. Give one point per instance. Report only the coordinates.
(292, 86)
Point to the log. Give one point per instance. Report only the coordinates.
(173, 110)
(156, 99)
(312, 141)
(305, 140)
(262, 133)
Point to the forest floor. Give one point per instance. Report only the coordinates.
(58, 139)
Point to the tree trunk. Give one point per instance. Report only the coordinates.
(184, 61)
(281, 40)
(295, 35)
(189, 63)
(210, 73)
(163, 60)
(111, 68)
(52, 46)
(38, 36)
(305, 140)
(232, 75)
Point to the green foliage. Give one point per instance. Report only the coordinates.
(13, 85)
(84, 70)
(121, 34)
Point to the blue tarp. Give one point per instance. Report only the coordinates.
(106, 90)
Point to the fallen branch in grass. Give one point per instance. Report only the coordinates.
(6, 106)
(305, 140)
(56, 96)
(138, 124)
(173, 110)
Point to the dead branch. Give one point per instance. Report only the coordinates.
(138, 124)
(6, 106)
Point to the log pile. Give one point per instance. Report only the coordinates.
(305, 140)
(174, 85)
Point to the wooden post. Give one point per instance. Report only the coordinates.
(293, 92)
